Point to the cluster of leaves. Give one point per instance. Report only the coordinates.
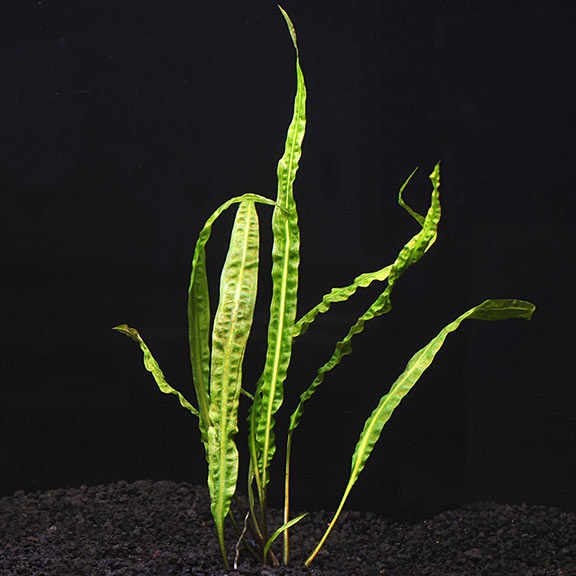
(217, 346)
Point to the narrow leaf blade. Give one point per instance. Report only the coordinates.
(199, 311)
(285, 261)
(152, 366)
(489, 310)
(281, 530)
(232, 325)
(362, 281)
(412, 251)
(339, 295)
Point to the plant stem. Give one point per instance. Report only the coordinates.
(286, 536)
(330, 525)
(223, 547)
(263, 517)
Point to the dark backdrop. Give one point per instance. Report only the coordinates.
(122, 126)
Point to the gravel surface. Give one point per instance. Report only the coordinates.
(164, 528)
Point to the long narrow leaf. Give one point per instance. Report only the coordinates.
(489, 310)
(152, 366)
(362, 281)
(232, 325)
(199, 311)
(339, 295)
(418, 217)
(281, 530)
(285, 261)
(409, 255)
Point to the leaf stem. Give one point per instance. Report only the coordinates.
(286, 536)
(330, 525)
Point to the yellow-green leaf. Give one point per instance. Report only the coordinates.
(285, 260)
(418, 364)
(199, 311)
(152, 366)
(232, 325)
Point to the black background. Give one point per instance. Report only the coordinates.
(124, 125)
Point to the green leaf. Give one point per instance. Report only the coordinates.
(488, 310)
(199, 312)
(152, 366)
(420, 243)
(418, 217)
(232, 325)
(285, 260)
(279, 531)
(408, 256)
(339, 295)
(362, 281)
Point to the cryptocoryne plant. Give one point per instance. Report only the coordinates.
(217, 347)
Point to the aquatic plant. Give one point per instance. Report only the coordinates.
(217, 346)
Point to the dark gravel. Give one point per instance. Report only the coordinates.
(164, 529)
